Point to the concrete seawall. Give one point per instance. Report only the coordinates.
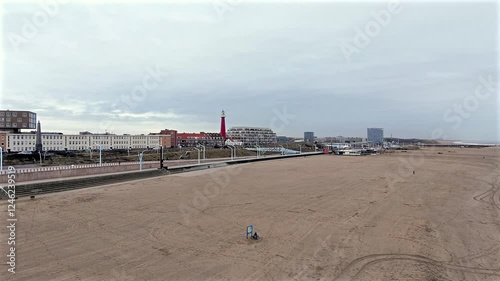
(58, 173)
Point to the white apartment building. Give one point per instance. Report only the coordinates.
(19, 142)
(252, 135)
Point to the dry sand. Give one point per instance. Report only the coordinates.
(321, 218)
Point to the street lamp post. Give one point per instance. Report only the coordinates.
(198, 154)
(203, 147)
(232, 149)
(1, 158)
(100, 155)
(140, 161)
(141, 154)
(300, 149)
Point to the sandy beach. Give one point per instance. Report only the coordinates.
(320, 218)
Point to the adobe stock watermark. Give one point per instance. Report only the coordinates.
(470, 104)
(138, 94)
(371, 29)
(10, 191)
(221, 7)
(280, 120)
(455, 116)
(32, 26)
(201, 199)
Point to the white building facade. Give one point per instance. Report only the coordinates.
(25, 142)
(252, 135)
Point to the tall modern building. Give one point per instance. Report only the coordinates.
(309, 136)
(375, 135)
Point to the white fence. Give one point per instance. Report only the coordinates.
(71, 167)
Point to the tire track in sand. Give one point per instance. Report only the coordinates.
(357, 266)
(492, 195)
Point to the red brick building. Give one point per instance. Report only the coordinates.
(193, 139)
(173, 136)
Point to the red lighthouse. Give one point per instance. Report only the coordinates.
(223, 125)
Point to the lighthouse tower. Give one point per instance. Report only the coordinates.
(223, 125)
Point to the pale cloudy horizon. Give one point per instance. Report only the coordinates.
(252, 59)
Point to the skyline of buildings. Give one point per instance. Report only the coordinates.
(223, 116)
(13, 139)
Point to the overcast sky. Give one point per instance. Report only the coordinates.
(143, 67)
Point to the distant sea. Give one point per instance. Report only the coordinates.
(477, 142)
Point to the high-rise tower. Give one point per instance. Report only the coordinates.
(38, 144)
(223, 125)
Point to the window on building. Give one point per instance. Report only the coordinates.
(14, 114)
(25, 114)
